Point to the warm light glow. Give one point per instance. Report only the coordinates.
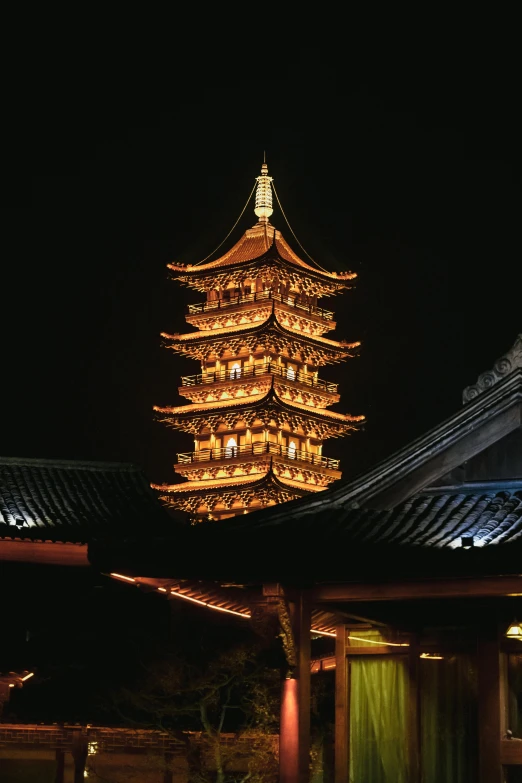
(514, 631)
(125, 578)
(381, 642)
(162, 589)
(11, 684)
(27, 676)
(263, 207)
(246, 615)
(289, 730)
(431, 657)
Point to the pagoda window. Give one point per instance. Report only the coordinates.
(291, 373)
(292, 448)
(235, 371)
(231, 448)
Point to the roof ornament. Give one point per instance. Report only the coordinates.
(507, 364)
(263, 206)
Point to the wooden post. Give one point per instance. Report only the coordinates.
(60, 766)
(289, 732)
(168, 775)
(79, 754)
(414, 711)
(342, 706)
(294, 741)
(303, 621)
(489, 720)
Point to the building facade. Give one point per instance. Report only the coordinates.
(258, 410)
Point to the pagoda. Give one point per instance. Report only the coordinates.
(258, 409)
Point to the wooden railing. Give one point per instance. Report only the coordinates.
(255, 370)
(259, 296)
(265, 447)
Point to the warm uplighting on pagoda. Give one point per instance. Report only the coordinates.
(258, 408)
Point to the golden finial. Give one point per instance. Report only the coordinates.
(263, 207)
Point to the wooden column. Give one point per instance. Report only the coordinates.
(294, 741)
(289, 732)
(342, 706)
(60, 766)
(79, 754)
(168, 775)
(489, 719)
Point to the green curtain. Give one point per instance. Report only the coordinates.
(378, 735)
(448, 720)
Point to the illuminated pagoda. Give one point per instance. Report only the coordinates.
(258, 409)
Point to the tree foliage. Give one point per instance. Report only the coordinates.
(220, 701)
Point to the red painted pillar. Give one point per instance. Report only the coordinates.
(289, 733)
(294, 742)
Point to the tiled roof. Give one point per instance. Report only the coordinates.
(70, 501)
(420, 538)
(254, 243)
(432, 519)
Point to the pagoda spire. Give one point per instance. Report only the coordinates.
(263, 204)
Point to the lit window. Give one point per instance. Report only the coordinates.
(235, 371)
(231, 448)
(290, 374)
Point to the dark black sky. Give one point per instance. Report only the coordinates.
(406, 172)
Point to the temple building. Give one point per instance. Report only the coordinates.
(258, 410)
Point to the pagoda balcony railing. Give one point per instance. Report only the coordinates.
(257, 370)
(265, 447)
(259, 296)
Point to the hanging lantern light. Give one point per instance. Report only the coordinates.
(514, 631)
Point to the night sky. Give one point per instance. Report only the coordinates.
(409, 176)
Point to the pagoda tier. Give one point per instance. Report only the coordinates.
(267, 409)
(224, 497)
(267, 335)
(217, 384)
(263, 257)
(258, 410)
(249, 308)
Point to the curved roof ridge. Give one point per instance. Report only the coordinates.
(208, 334)
(254, 244)
(235, 481)
(254, 399)
(46, 462)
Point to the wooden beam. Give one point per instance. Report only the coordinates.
(489, 720)
(444, 460)
(46, 552)
(342, 706)
(511, 752)
(475, 587)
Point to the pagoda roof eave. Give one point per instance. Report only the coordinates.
(255, 247)
(208, 335)
(255, 481)
(258, 401)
